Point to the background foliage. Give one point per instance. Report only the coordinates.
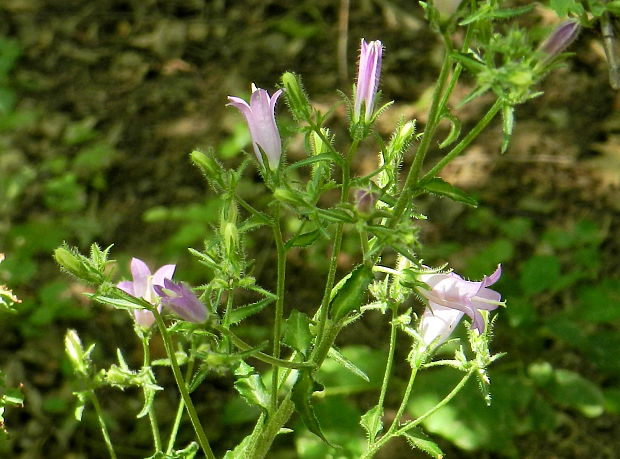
(100, 105)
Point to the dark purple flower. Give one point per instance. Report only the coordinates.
(450, 297)
(142, 287)
(181, 300)
(368, 75)
(260, 116)
(560, 39)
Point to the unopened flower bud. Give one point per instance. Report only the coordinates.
(365, 201)
(207, 164)
(368, 74)
(68, 261)
(296, 96)
(560, 39)
(401, 138)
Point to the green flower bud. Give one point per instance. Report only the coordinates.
(68, 261)
(75, 352)
(401, 139)
(295, 95)
(208, 165)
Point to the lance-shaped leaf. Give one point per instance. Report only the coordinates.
(341, 360)
(243, 312)
(303, 240)
(302, 398)
(440, 187)
(348, 294)
(508, 121)
(418, 440)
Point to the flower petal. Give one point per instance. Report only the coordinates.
(165, 272)
(127, 287)
(140, 273)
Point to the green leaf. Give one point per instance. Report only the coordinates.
(418, 440)
(539, 273)
(116, 302)
(442, 188)
(243, 312)
(346, 363)
(302, 398)
(599, 302)
(455, 129)
(297, 333)
(349, 293)
(570, 389)
(372, 422)
(329, 157)
(303, 240)
(251, 387)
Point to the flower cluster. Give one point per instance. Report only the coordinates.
(158, 289)
(449, 298)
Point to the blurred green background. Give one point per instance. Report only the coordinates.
(100, 104)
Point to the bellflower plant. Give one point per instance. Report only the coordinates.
(368, 74)
(260, 116)
(450, 297)
(181, 300)
(322, 204)
(142, 287)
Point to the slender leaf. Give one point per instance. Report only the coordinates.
(302, 398)
(349, 293)
(346, 363)
(418, 440)
(440, 187)
(243, 312)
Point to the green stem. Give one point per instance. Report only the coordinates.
(152, 417)
(388, 369)
(252, 210)
(429, 133)
(333, 262)
(104, 429)
(261, 355)
(189, 405)
(179, 415)
(445, 401)
(471, 135)
(279, 311)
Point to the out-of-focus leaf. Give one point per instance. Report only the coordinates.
(539, 273)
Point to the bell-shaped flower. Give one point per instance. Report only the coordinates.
(368, 74)
(142, 287)
(260, 116)
(449, 298)
(180, 300)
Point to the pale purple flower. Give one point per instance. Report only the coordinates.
(450, 297)
(560, 39)
(368, 75)
(142, 287)
(259, 114)
(181, 300)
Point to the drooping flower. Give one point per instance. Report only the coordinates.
(560, 39)
(260, 116)
(368, 74)
(181, 300)
(143, 285)
(450, 297)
